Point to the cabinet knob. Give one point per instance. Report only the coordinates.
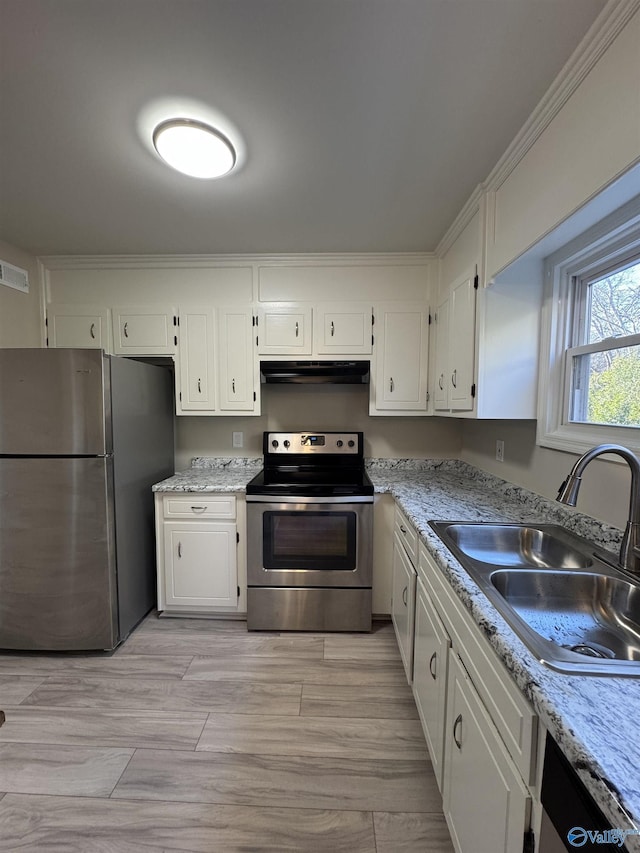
(433, 665)
(457, 723)
(199, 386)
(391, 384)
(233, 385)
(198, 508)
(333, 329)
(297, 328)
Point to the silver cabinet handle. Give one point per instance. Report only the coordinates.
(391, 383)
(124, 329)
(92, 331)
(333, 329)
(404, 596)
(403, 529)
(441, 381)
(198, 508)
(199, 387)
(179, 549)
(454, 377)
(233, 385)
(297, 329)
(458, 722)
(433, 665)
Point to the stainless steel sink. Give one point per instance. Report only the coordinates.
(516, 545)
(596, 615)
(563, 596)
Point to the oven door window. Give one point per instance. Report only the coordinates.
(324, 541)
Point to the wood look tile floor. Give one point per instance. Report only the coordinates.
(198, 736)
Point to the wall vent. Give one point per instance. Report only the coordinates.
(14, 277)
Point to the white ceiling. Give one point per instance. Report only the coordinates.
(366, 123)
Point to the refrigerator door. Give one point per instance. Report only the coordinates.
(54, 402)
(57, 545)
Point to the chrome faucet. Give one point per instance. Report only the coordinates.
(630, 549)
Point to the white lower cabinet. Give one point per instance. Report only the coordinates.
(480, 730)
(430, 665)
(403, 589)
(486, 803)
(197, 547)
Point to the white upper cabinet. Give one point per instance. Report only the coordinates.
(284, 329)
(145, 330)
(85, 326)
(195, 390)
(455, 346)
(401, 347)
(237, 365)
(486, 354)
(342, 328)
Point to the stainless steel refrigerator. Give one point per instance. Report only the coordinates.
(83, 436)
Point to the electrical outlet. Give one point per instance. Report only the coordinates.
(238, 439)
(500, 450)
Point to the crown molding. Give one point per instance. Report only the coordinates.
(461, 221)
(605, 29)
(84, 262)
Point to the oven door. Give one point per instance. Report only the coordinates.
(309, 542)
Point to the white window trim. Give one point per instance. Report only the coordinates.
(611, 239)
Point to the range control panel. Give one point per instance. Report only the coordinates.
(348, 443)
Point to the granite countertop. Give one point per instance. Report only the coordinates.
(592, 718)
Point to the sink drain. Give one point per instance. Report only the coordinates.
(589, 651)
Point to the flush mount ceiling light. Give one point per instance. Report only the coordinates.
(194, 148)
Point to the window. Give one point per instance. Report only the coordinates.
(590, 360)
(604, 364)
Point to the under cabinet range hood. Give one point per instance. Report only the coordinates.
(314, 372)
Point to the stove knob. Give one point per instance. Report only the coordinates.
(352, 443)
(287, 443)
(339, 442)
(274, 443)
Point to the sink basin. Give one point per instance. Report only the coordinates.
(596, 615)
(516, 545)
(564, 597)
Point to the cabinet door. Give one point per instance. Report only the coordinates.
(200, 565)
(402, 339)
(196, 374)
(430, 663)
(403, 604)
(145, 330)
(343, 328)
(441, 385)
(85, 326)
(284, 329)
(486, 803)
(462, 343)
(237, 363)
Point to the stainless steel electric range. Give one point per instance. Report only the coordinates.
(310, 534)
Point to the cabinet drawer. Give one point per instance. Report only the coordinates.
(406, 533)
(196, 505)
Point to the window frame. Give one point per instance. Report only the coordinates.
(607, 246)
